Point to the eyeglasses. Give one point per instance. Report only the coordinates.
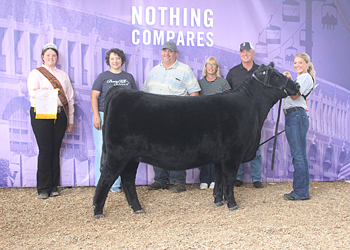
(212, 64)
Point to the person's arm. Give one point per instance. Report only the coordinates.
(70, 128)
(287, 74)
(229, 78)
(70, 97)
(194, 94)
(133, 83)
(94, 105)
(293, 97)
(33, 83)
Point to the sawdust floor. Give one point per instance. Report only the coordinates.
(187, 220)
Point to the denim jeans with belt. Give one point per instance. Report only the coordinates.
(297, 125)
(98, 140)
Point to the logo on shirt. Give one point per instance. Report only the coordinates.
(122, 82)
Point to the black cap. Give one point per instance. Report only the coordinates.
(245, 45)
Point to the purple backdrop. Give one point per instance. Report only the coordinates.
(85, 30)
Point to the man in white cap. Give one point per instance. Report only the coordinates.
(170, 77)
(235, 77)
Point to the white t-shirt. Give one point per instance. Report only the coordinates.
(306, 84)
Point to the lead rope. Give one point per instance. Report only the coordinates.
(275, 137)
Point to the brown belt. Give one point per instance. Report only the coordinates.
(288, 111)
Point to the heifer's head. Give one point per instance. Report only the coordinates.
(271, 77)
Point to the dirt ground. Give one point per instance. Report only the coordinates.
(187, 220)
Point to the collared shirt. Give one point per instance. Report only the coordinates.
(176, 80)
(306, 83)
(238, 74)
(36, 80)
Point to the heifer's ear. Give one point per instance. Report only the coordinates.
(272, 64)
(261, 67)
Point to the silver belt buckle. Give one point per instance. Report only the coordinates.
(285, 111)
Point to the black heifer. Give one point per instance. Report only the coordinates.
(176, 133)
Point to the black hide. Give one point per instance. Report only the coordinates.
(175, 133)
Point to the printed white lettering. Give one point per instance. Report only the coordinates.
(121, 82)
(146, 37)
(170, 35)
(200, 39)
(175, 16)
(190, 37)
(195, 17)
(185, 17)
(208, 21)
(209, 37)
(158, 39)
(162, 16)
(172, 17)
(136, 15)
(133, 37)
(180, 39)
(150, 15)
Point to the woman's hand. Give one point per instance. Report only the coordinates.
(70, 128)
(287, 74)
(97, 122)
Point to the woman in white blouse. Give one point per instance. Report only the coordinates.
(49, 133)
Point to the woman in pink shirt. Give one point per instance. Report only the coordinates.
(49, 133)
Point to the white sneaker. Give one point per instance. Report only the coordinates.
(203, 186)
(212, 185)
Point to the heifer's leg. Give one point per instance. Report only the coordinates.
(229, 171)
(109, 174)
(128, 181)
(218, 191)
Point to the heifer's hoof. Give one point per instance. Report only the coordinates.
(97, 216)
(220, 203)
(140, 211)
(233, 208)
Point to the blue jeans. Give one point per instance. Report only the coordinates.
(207, 174)
(161, 176)
(255, 168)
(297, 125)
(98, 140)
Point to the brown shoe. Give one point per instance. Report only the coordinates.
(178, 188)
(157, 186)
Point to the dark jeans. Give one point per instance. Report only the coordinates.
(162, 176)
(49, 135)
(207, 174)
